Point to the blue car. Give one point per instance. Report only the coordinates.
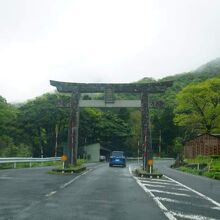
(117, 159)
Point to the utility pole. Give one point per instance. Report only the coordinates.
(160, 142)
(56, 145)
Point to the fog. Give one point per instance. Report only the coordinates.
(102, 41)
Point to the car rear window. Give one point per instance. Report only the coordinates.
(118, 153)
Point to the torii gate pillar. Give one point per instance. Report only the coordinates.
(145, 129)
(72, 148)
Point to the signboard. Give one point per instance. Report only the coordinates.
(150, 162)
(64, 158)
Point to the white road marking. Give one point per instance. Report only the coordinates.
(198, 193)
(216, 208)
(157, 180)
(168, 214)
(161, 206)
(152, 181)
(170, 193)
(6, 178)
(50, 194)
(185, 203)
(173, 200)
(143, 183)
(162, 186)
(71, 181)
(180, 189)
(155, 186)
(193, 217)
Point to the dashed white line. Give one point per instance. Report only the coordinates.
(50, 194)
(74, 179)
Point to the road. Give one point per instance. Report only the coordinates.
(100, 193)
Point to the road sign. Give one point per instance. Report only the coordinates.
(64, 158)
(150, 162)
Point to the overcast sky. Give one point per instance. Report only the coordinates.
(102, 41)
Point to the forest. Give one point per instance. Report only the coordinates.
(191, 107)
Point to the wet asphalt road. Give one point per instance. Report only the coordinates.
(104, 193)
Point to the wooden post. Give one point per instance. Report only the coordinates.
(145, 130)
(71, 150)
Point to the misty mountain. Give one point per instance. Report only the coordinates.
(204, 72)
(212, 67)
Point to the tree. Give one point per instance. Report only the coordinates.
(38, 119)
(103, 127)
(198, 106)
(163, 127)
(8, 131)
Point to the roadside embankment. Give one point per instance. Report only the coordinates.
(208, 166)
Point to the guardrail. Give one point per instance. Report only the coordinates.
(134, 158)
(29, 160)
(154, 158)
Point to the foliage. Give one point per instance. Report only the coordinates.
(38, 120)
(198, 106)
(29, 128)
(7, 125)
(103, 127)
(178, 145)
(162, 124)
(212, 171)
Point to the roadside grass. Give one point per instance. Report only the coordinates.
(27, 164)
(212, 169)
(78, 168)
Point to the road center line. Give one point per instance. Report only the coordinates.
(50, 194)
(74, 179)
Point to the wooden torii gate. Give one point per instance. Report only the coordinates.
(109, 101)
